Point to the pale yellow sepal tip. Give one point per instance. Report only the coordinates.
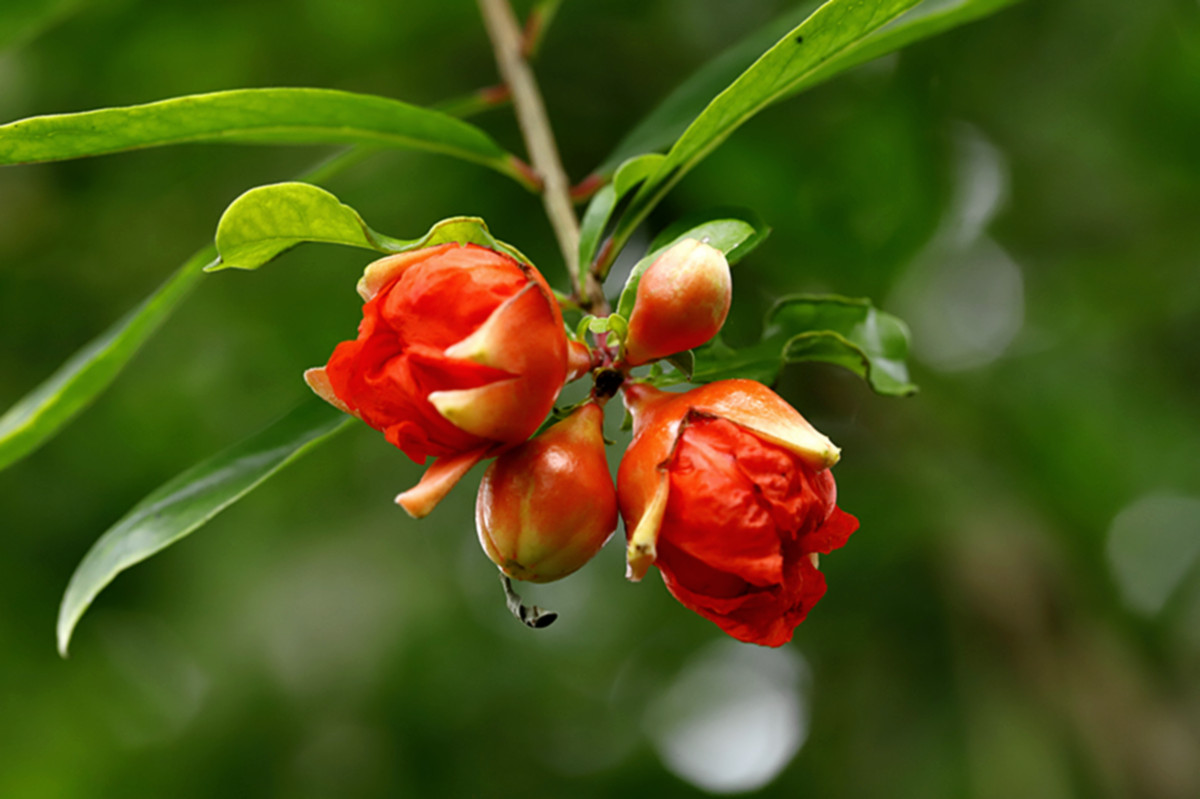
(643, 544)
(318, 381)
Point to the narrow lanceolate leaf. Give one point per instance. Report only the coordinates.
(634, 172)
(684, 363)
(839, 35)
(190, 500)
(735, 232)
(667, 122)
(628, 177)
(831, 31)
(718, 361)
(268, 220)
(671, 117)
(595, 220)
(255, 116)
(839, 330)
(929, 18)
(41, 413)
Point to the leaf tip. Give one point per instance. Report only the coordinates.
(66, 626)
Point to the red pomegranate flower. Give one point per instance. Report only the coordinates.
(461, 351)
(727, 490)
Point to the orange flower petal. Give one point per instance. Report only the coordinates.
(437, 481)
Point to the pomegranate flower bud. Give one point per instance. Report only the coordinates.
(727, 490)
(682, 301)
(460, 352)
(546, 507)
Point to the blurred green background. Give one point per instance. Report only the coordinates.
(1019, 615)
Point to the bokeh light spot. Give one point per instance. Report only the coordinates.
(734, 717)
(1152, 544)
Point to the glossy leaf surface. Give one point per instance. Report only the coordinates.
(41, 413)
(831, 31)
(190, 500)
(267, 221)
(843, 331)
(667, 121)
(670, 118)
(253, 116)
(839, 35)
(595, 221)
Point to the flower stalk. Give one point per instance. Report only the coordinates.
(530, 615)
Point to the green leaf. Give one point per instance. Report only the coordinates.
(718, 361)
(41, 413)
(684, 362)
(839, 35)
(734, 232)
(255, 116)
(928, 19)
(598, 325)
(723, 228)
(595, 220)
(847, 332)
(190, 500)
(634, 171)
(536, 24)
(268, 220)
(832, 30)
(667, 122)
(671, 117)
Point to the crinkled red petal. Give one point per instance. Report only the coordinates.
(742, 519)
(442, 301)
(386, 380)
(713, 510)
(831, 535)
(766, 616)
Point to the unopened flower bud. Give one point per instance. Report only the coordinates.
(727, 490)
(682, 301)
(546, 507)
(460, 352)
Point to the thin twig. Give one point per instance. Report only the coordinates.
(508, 41)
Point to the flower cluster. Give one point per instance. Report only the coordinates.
(725, 488)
